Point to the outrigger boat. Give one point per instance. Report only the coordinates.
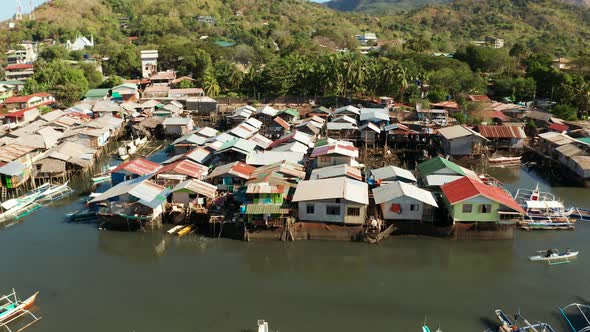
(578, 321)
(553, 256)
(11, 309)
(506, 325)
(505, 161)
(543, 211)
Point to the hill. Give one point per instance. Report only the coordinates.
(380, 6)
(392, 6)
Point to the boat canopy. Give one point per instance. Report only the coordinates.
(544, 205)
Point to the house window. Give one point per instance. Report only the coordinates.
(333, 210)
(353, 211)
(486, 208)
(324, 159)
(310, 209)
(414, 207)
(467, 208)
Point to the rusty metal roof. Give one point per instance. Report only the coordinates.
(501, 132)
(12, 152)
(138, 166)
(185, 167)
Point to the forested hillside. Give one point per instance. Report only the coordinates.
(302, 48)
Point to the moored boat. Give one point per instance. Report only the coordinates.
(11, 308)
(508, 161)
(576, 315)
(543, 211)
(506, 324)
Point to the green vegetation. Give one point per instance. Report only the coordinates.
(297, 47)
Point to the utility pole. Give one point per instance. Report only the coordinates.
(31, 13)
(19, 12)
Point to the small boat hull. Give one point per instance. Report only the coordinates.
(554, 258)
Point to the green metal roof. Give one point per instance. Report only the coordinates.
(12, 82)
(430, 166)
(225, 43)
(265, 209)
(584, 140)
(96, 93)
(292, 112)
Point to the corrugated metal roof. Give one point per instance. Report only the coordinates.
(148, 193)
(190, 139)
(239, 145)
(267, 110)
(557, 138)
(374, 114)
(266, 209)
(237, 169)
(199, 155)
(263, 158)
(253, 123)
(344, 119)
(337, 148)
(282, 167)
(333, 188)
(177, 121)
(336, 171)
(392, 173)
(243, 130)
(466, 188)
(294, 146)
(198, 187)
(501, 132)
(185, 167)
(282, 123)
(261, 141)
(207, 132)
(437, 180)
(13, 168)
(139, 166)
(264, 188)
(456, 132)
(106, 106)
(558, 127)
(432, 165)
(294, 136)
(398, 189)
(12, 152)
(340, 126)
(347, 110)
(582, 161)
(370, 126)
(570, 150)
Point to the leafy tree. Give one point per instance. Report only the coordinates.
(111, 82)
(51, 53)
(484, 59)
(186, 84)
(437, 95)
(565, 112)
(67, 83)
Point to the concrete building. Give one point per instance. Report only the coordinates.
(149, 63)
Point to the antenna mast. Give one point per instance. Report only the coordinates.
(19, 12)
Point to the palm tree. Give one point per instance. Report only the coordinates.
(401, 75)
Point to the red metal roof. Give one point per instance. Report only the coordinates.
(492, 115)
(501, 132)
(185, 167)
(466, 188)
(341, 149)
(282, 123)
(560, 128)
(18, 99)
(19, 66)
(138, 166)
(243, 169)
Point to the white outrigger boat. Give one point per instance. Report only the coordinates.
(553, 256)
(543, 211)
(17, 208)
(13, 309)
(507, 325)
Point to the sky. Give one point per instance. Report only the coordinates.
(9, 7)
